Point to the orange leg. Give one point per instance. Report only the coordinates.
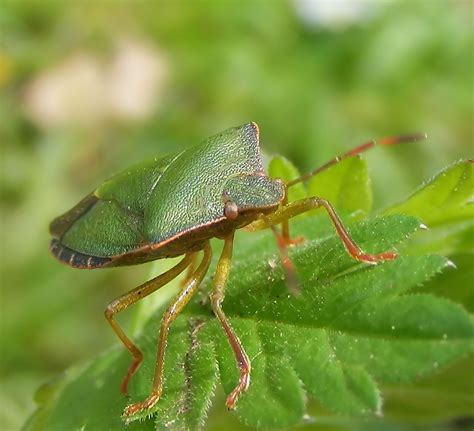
(304, 205)
(169, 316)
(217, 297)
(285, 225)
(284, 239)
(129, 298)
(290, 274)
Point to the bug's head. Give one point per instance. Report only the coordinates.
(245, 195)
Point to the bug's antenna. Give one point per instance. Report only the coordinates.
(391, 140)
(288, 268)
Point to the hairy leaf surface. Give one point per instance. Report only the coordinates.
(354, 332)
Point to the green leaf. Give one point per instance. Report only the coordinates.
(447, 197)
(443, 395)
(346, 185)
(84, 399)
(354, 331)
(194, 382)
(281, 167)
(455, 284)
(353, 328)
(446, 205)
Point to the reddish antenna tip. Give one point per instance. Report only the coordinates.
(418, 136)
(412, 137)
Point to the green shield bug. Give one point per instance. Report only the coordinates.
(173, 206)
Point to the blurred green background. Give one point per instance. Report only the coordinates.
(88, 88)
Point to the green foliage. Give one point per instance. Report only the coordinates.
(355, 330)
(315, 89)
(281, 167)
(445, 199)
(446, 206)
(346, 186)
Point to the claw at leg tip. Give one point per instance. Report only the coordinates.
(390, 255)
(230, 403)
(133, 409)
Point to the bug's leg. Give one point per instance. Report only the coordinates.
(169, 316)
(123, 302)
(285, 225)
(304, 205)
(285, 237)
(217, 296)
(190, 270)
(288, 268)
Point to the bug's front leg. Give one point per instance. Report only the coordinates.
(304, 205)
(285, 240)
(217, 296)
(169, 316)
(123, 302)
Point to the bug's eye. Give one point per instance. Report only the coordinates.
(231, 211)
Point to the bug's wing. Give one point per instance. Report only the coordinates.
(190, 192)
(109, 221)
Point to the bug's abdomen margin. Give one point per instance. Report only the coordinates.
(74, 258)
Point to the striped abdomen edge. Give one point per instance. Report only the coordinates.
(76, 259)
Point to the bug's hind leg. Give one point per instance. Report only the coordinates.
(217, 296)
(169, 316)
(123, 302)
(304, 205)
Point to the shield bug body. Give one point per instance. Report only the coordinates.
(173, 206)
